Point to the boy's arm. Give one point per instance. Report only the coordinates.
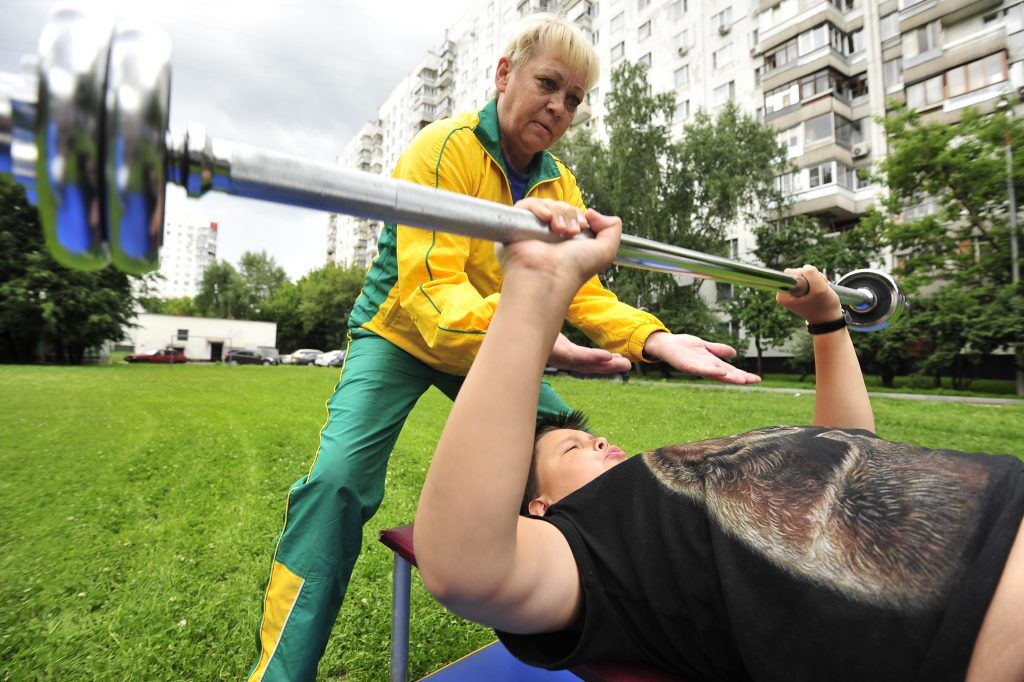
(841, 398)
(476, 555)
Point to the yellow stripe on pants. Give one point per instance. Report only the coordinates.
(282, 593)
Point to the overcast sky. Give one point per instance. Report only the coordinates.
(297, 76)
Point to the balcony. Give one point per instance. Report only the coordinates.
(969, 48)
(824, 57)
(790, 28)
(914, 13)
(444, 79)
(835, 202)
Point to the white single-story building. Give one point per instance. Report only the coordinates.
(202, 338)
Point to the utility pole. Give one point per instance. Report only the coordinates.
(1018, 349)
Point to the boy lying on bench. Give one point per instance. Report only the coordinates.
(787, 553)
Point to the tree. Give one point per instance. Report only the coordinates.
(313, 312)
(46, 309)
(223, 293)
(181, 305)
(685, 193)
(946, 215)
(261, 277)
(327, 296)
(282, 307)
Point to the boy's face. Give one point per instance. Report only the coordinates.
(566, 460)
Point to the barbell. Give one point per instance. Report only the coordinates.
(85, 132)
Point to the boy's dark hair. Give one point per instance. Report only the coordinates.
(575, 420)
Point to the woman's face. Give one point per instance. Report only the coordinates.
(536, 104)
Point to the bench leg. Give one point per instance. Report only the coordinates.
(400, 620)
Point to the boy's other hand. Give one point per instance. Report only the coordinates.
(819, 304)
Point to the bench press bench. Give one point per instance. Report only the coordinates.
(493, 662)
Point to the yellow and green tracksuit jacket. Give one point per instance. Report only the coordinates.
(433, 294)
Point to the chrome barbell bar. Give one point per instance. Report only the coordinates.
(86, 134)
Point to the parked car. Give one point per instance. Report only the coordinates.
(303, 356)
(159, 355)
(268, 352)
(332, 358)
(241, 356)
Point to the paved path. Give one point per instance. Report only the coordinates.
(810, 391)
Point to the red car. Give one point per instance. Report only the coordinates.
(160, 355)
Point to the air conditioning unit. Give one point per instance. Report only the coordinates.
(723, 29)
(860, 150)
(753, 50)
(682, 50)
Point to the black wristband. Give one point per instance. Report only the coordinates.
(826, 327)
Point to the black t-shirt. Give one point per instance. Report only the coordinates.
(791, 553)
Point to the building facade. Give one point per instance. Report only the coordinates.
(200, 338)
(830, 68)
(190, 244)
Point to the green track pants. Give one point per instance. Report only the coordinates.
(327, 508)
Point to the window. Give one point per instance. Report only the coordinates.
(845, 176)
(975, 75)
(618, 51)
(644, 32)
(723, 291)
(786, 184)
(645, 61)
(682, 75)
(780, 56)
(849, 133)
(816, 38)
(723, 20)
(643, 4)
(682, 40)
(892, 72)
(921, 40)
(722, 57)
(818, 128)
(734, 248)
(820, 174)
(889, 26)
(617, 21)
(781, 97)
(816, 83)
(682, 110)
(790, 139)
(678, 9)
(855, 42)
(925, 94)
(725, 92)
(182, 334)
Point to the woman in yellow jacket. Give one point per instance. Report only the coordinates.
(425, 305)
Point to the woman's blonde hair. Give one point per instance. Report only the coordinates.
(555, 32)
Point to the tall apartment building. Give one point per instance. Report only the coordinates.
(190, 244)
(830, 67)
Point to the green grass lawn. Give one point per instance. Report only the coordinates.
(141, 504)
